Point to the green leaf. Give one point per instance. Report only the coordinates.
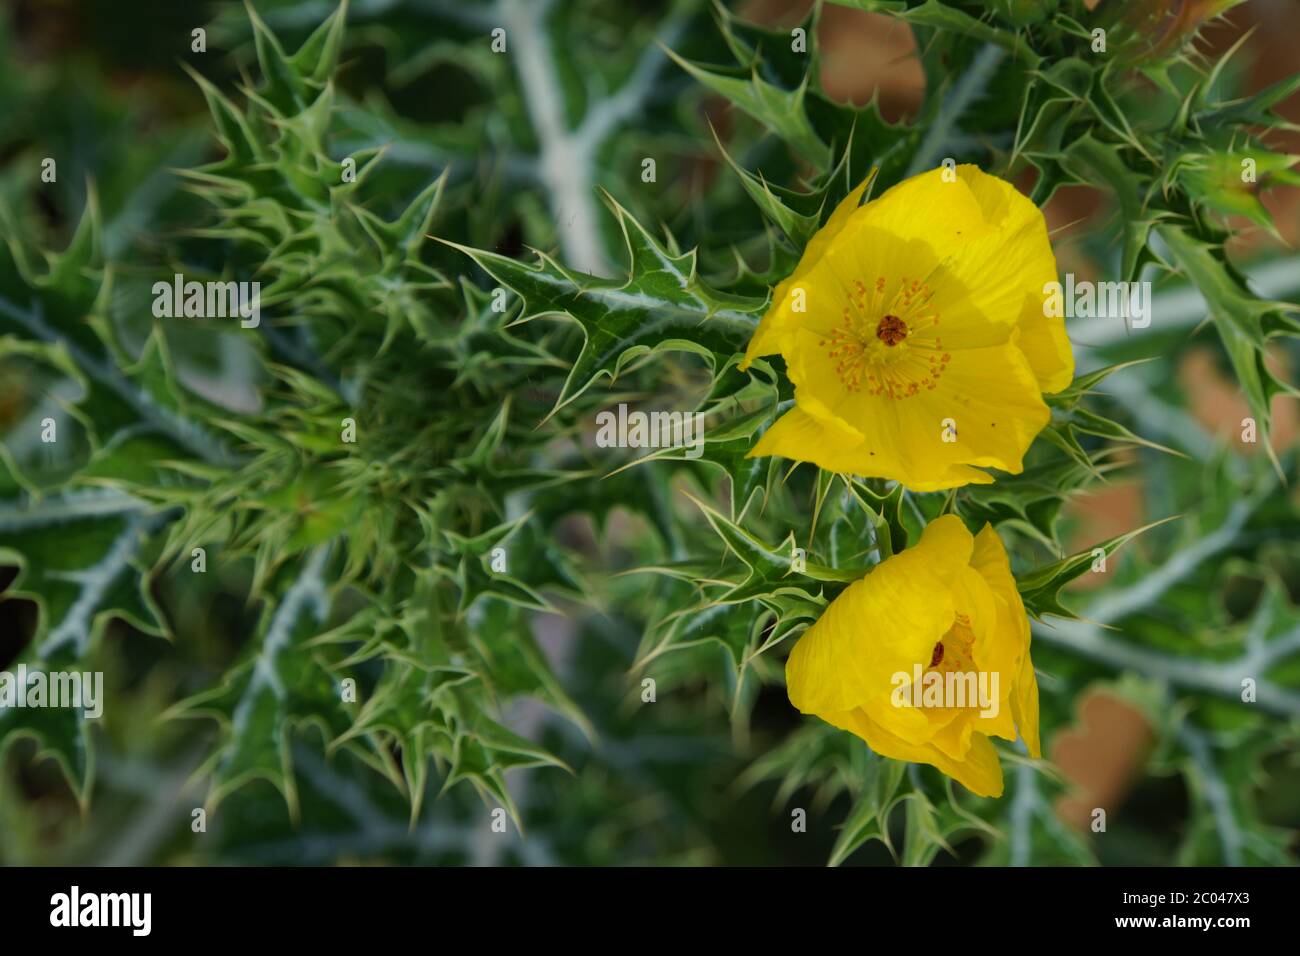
(280, 687)
(1241, 318)
(78, 560)
(940, 16)
(1040, 589)
(780, 110)
(662, 305)
(872, 809)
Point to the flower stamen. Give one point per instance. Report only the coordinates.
(886, 342)
(891, 330)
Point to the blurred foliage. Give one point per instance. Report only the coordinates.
(473, 368)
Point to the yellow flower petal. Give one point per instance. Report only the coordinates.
(989, 559)
(997, 651)
(876, 627)
(987, 401)
(926, 208)
(1024, 706)
(946, 541)
(882, 624)
(780, 318)
(979, 771)
(1014, 261)
(922, 308)
(835, 447)
(948, 606)
(1044, 342)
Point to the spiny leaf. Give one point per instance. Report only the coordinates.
(662, 304)
(1040, 589)
(78, 560)
(780, 110)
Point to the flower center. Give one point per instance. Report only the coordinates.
(891, 330)
(887, 341)
(955, 651)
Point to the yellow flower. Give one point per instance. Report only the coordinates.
(914, 332)
(927, 657)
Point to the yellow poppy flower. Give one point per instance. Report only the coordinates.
(927, 657)
(914, 332)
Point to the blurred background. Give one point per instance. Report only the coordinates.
(99, 83)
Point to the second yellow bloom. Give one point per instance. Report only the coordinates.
(944, 615)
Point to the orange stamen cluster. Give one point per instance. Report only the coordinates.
(888, 346)
(956, 650)
(891, 330)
